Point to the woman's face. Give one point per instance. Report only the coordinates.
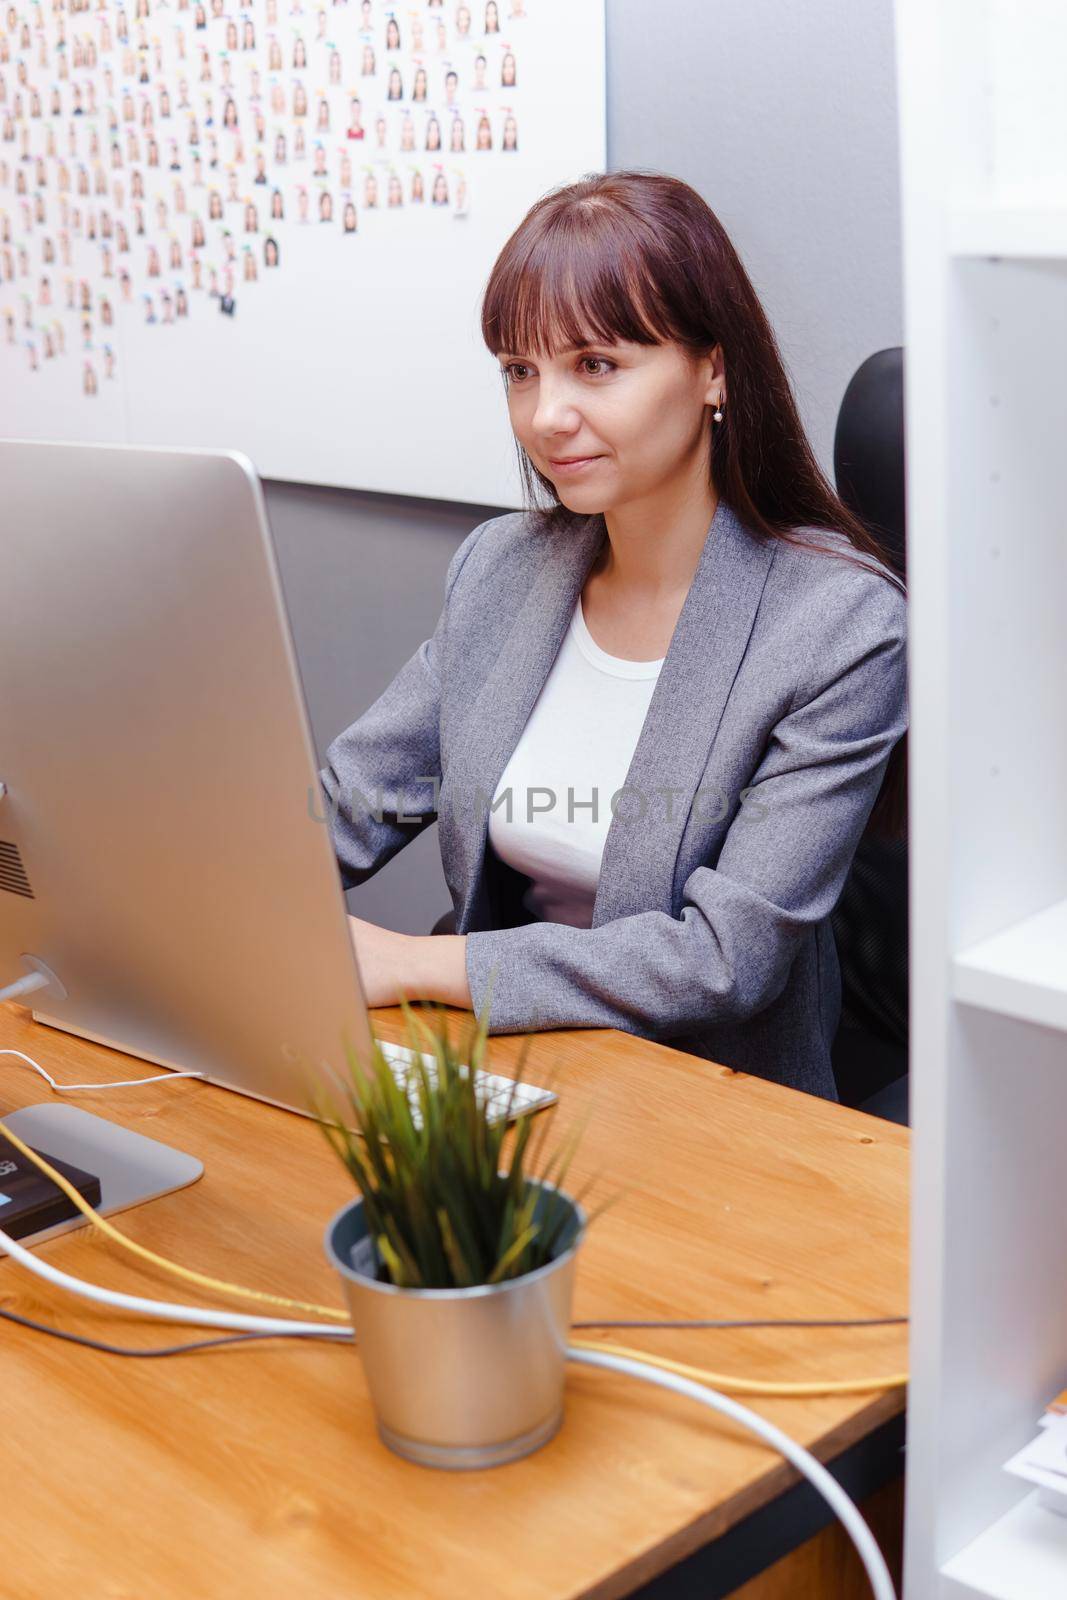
(639, 413)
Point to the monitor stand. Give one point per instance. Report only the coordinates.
(131, 1167)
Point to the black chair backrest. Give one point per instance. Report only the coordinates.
(870, 921)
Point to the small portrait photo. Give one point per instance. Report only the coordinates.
(463, 21)
(392, 34)
(368, 68)
(300, 55)
(455, 140)
(349, 224)
(370, 192)
(492, 17)
(433, 134)
(322, 121)
(300, 100)
(507, 70)
(484, 140)
(395, 90)
(325, 206)
(279, 149)
(479, 72)
(420, 87)
(510, 138)
(214, 206)
(335, 65)
(270, 251)
(277, 206)
(248, 35)
(395, 193)
(439, 196)
(251, 218)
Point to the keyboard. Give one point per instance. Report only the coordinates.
(491, 1086)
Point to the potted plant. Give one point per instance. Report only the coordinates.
(457, 1258)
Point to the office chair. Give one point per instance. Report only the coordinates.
(870, 921)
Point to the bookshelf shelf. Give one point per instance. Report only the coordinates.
(1020, 1556)
(993, 228)
(1021, 972)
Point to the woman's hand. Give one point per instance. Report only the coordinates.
(432, 967)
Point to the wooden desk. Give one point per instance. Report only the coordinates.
(256, 1471)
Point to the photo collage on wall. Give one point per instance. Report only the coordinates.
(160, 154)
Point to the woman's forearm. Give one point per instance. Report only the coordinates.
(439, 969)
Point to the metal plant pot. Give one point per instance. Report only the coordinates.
(461, 1378)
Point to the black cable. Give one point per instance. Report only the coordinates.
(761, 1322)
(165, 1350)
(331, 1338)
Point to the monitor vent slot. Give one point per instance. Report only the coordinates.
(12, 873)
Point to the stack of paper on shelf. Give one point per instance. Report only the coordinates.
(1044, 1460)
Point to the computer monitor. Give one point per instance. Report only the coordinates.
(163, 842)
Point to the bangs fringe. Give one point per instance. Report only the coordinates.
(577, 281)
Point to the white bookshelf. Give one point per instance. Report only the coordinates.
(984, 171)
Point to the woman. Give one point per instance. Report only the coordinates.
(689, 664)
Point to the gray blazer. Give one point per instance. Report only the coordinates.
(766, 739)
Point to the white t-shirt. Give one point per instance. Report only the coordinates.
(576, 748)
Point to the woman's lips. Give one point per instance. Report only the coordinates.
(569, 468)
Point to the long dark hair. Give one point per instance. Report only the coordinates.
(641, 257)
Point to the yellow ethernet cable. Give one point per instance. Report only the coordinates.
(718, 1380)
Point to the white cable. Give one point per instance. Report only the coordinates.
(816, 1474)
(123, 1083)
(27, 985)
(200, 1317)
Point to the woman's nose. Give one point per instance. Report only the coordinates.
(554, 411)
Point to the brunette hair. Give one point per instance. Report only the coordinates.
(641, 257)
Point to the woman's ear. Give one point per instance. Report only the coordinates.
(715, 372)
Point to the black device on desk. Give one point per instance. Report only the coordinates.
(30, 1202)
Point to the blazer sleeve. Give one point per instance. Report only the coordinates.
(389, 760)
(781, 868)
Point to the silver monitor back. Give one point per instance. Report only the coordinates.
(165, 849)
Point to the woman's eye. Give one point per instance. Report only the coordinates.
(599, 361)
(509, 370)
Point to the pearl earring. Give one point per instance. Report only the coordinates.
(717, 413)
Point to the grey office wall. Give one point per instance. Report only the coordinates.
(783, 116)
